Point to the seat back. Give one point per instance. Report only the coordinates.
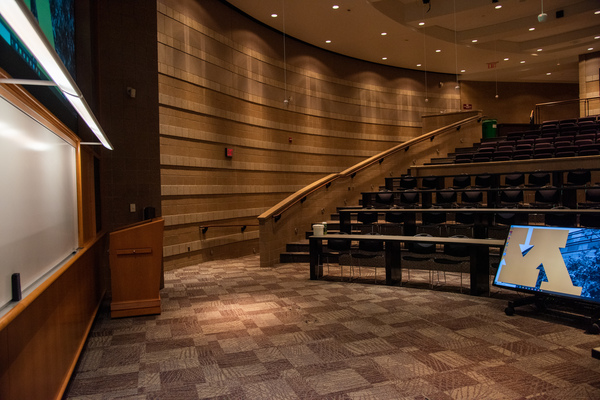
(395, 217)
(384, 199)
(547, 196)
(461, 181)
(367, 217)
(422, 247)
(539, 178)
(457, 249)
(471, 197)
(516, 179)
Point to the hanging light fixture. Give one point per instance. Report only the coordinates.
(425, 59)
(26, 27)
(496, 64)
(455, 49)
(543, 16)
(286, 98)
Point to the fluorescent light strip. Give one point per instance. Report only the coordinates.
(22, 22)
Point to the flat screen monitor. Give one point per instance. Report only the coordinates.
(551, 260)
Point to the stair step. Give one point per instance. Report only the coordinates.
(441, 160)
(293, 257)
(297, 247)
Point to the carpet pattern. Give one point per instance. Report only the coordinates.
(231, 330)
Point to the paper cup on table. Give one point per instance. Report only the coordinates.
(318, 229)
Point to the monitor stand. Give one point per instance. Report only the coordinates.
(558, 305)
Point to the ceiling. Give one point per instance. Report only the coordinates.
(470, 38)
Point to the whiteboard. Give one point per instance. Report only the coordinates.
(38, 200)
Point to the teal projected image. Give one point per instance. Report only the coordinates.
(56, 18)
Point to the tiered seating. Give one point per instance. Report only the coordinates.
(539, 190)
(564, 138)
(473, 208)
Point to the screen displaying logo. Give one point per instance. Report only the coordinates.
(559, 261)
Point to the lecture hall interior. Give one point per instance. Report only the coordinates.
(166, 163)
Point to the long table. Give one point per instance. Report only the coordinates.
(479, 256)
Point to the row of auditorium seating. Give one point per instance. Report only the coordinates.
(529, 151)
(552, 133)
(576, 177)
(461, 221)
(565, 138)
(545, 197)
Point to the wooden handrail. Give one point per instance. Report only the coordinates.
(276, 211)
(404, 146)
(301, 194)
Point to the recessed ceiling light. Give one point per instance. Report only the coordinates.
(506, 59)
(474, 41)
(384, 58)
(418, 65)
(534, 54)
(548, 73)
(498, 7)
(383, 33)
(463, 70)
(523, 62)
(596, 37)
(328, 41)
(274, 15)
(531, 29)
(590, 48)
(438, 51)
(540, 49)
(421, 23)
(597, 12)
(335, 7)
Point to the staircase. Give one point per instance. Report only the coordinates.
(298, 252)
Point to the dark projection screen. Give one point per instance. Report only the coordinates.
(39, 200)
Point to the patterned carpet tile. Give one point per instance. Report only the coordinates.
(231, 330)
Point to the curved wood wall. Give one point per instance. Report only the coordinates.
(222, 84)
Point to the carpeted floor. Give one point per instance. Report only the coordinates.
(231, 330)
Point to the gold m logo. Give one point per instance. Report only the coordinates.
(528, 249)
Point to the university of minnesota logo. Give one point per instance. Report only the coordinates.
(532, 252)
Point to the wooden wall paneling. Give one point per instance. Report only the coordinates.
(4, 365)
(136, 265)
(46, 336)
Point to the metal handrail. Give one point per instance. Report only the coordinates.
(301, 195)
(204, 228)
(586, 102)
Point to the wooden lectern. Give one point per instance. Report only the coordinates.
(136, 268)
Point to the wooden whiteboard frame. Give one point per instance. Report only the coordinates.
(24, 101)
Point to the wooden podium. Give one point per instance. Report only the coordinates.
(136, 268)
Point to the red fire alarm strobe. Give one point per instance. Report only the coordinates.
(228, 152)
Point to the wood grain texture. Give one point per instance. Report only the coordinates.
(45, 338)
(135, 262)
